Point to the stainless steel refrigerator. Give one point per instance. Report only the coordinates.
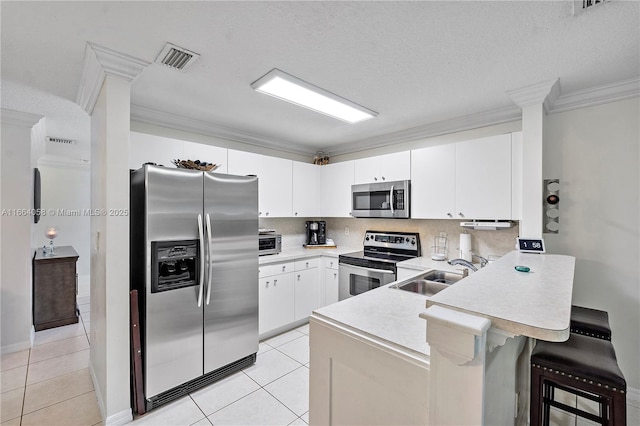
(194, 262)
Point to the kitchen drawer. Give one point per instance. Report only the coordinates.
(303, 264)
(275, 269)
(330, 262)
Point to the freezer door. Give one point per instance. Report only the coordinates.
(173, 320)
(231, 301)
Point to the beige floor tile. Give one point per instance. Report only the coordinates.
(13, 360)
(59, 333)
(58, 348)
(12, 422)
(54, 367)
(82, 410)
(56, 390)
(13, 379)
(11, 404)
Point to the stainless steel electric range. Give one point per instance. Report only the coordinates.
(375, 265)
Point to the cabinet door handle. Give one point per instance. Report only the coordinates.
(449, 214)
(275, 282)
(267, 284)
(460, 214)
(375, 179)
(306, 265)
(383, 178)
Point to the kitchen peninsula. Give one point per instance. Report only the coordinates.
(371, 363)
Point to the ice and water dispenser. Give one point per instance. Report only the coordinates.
(174, 264)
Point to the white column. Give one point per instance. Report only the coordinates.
(105, 94)
(16, 200)
(534, 100)
(457, 343)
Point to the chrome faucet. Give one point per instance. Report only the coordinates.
(483, 261)
(464, 263)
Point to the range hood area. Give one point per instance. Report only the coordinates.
(488, 225)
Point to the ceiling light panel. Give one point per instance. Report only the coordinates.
(284, 86)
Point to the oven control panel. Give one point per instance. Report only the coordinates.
(392, 240)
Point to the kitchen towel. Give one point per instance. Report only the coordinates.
(465, 247)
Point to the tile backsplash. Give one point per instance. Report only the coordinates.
(484, 243)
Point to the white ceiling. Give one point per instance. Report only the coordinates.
(415, 63)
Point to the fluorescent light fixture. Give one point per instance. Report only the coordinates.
(284, 86)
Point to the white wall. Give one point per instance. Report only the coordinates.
(594, 152)
(109, 331)
(16, 194)
(65, 191)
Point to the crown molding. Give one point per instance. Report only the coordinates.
(164, 119)
(454, 125)
(618, 91)
(19, 118)
(544, 93)
(100, 61)
(547, 93)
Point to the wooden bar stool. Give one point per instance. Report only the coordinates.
(590, 322)
(584, 366)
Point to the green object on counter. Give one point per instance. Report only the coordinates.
(523, 268)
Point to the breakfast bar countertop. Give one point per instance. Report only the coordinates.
(535, 304)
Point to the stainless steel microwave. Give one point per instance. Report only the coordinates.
(381, 200)
(269, 244)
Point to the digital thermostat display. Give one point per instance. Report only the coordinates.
(531, 245)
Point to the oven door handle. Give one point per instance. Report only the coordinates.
(381, 271)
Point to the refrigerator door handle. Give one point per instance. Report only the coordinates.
(201, 235)
(209, 260)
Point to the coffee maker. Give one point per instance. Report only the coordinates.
(316, 232)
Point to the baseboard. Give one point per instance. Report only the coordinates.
(96, 388)
(16, 347)
(633, 397)
(122, 418)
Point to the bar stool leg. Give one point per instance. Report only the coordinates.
(536, 397)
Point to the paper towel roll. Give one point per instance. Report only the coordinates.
(465, 247)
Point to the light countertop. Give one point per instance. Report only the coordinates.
(386, 314)
(535, 304)
(298, 253)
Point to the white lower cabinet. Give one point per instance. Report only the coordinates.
(330, 293)
(306, 292)
(290, 291)
(276, 296)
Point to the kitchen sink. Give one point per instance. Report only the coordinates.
(443, 277)
(430, 283)
(424, 287)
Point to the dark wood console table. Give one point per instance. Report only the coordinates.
(54, 288)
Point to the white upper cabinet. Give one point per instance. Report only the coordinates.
(516, 175)
(146, 148)
(210, 154)
(466, 180)
(388, 167)
(306, 189)
(335, 189)
(483, 178)
(274, 180)
(433, 182)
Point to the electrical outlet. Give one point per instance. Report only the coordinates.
(346, 230)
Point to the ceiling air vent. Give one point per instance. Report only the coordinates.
(61, 140)
(176, 57)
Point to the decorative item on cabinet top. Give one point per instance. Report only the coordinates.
(195, 165)
(320, 159)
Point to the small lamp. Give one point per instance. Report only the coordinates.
(51, 233)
